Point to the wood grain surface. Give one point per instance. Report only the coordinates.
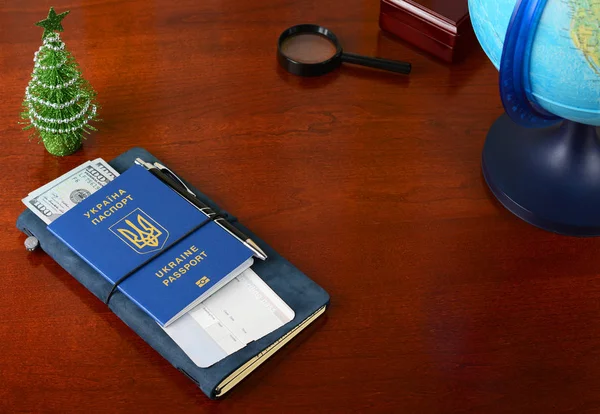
(369, 182)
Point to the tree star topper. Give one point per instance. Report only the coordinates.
(52, 22)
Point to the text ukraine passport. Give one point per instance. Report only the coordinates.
(138, 226)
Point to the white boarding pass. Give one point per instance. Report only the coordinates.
(244, 310)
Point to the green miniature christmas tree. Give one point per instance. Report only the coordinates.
(59, 103)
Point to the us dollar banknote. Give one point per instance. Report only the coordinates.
(60, 195)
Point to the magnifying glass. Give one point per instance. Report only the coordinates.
(311, 50)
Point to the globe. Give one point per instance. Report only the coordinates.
(565, 56)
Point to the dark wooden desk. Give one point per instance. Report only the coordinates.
(369, 182)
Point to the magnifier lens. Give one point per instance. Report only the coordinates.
(308, 48)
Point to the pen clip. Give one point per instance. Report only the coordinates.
(174, 176)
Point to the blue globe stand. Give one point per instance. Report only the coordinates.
(543, 169)
(549, 177)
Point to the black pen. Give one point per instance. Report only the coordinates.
(178, 186)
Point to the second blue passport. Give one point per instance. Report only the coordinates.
(136, 219)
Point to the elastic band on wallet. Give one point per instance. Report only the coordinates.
(124, 277)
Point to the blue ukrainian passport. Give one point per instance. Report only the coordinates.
(308, 300)
(171, 255)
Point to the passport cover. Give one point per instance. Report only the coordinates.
(302, 294)
(139, 219)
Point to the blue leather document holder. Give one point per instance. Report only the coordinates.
(307, 299)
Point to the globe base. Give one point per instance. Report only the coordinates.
(549, 177)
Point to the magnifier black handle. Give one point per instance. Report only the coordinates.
(372, 62)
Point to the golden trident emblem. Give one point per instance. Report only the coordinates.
(146, 236)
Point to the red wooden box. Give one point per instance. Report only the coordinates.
(440, 27)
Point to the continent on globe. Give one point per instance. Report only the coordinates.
(564, 70)
(585, 30)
